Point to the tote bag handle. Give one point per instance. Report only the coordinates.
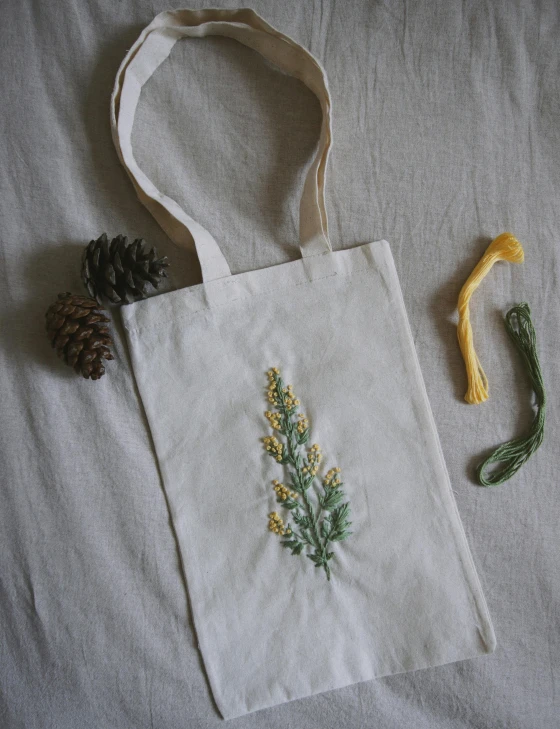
(150, 50)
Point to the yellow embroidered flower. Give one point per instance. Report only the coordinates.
(331, 479)
(272, 392)
(314, 457)
(302, 424)
(275, 420)
(274, 447)
(276, 524)
(282, 492)
(284, 397)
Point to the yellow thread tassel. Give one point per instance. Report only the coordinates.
(505, 247)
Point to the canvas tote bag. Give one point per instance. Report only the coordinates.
(212, 359)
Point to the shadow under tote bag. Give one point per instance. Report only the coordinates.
(332, 551)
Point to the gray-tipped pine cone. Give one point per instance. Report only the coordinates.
(121, 271)
(78, 331)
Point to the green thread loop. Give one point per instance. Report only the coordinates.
(516, 452)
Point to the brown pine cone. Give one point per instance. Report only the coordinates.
(78, 331)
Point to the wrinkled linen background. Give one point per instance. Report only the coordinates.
(447, 132)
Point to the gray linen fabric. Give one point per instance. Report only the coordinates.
(447, 132)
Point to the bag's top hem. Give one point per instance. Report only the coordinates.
(171, 307)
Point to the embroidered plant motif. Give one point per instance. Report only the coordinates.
(317, 528)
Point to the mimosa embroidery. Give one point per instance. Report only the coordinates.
(315, 528)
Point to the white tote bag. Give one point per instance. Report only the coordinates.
(332, 551)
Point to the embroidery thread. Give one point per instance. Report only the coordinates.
(318, 528)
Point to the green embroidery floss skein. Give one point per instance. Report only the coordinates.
(516, 452)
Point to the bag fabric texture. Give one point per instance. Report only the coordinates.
(403, 593)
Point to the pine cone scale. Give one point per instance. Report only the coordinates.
(60, 341)
(55, 321)
(69, 327)
(84, 334)
(110, 275)
(117, 263)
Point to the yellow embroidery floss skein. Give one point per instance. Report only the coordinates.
(505, 247)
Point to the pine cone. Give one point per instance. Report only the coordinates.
(77, 330)
(121, 271)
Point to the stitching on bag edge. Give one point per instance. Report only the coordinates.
(139, 330)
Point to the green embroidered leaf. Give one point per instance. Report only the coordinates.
(313, 538)
(341, 528)
(341, 513)
(331, 499)
(340, 536)
(316, 558)
(325, 528)
(302, 521)
(296, 483)
(288, 503)
(338, 518)
(330, 555)
(294, 545)
(303, 437)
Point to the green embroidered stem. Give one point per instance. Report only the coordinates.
(317, 527)
(296, 461)
(516, 452)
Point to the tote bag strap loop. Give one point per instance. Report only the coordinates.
(146, 55)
